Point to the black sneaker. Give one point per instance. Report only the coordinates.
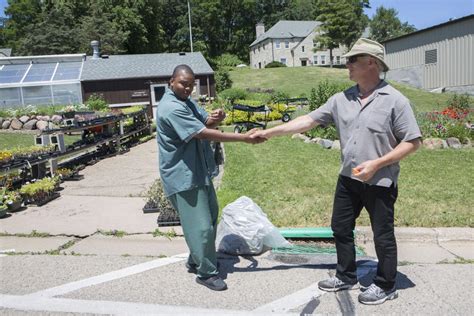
(191, 268)
(333, 284)
(214, 283)
(374, 295)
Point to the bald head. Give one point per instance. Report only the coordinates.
(182, 69)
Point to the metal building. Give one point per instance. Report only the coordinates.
(438, 57)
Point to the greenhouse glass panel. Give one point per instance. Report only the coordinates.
(40, 72)
(68, 71)
(10, 97)
(37, 95)
(67, 94)
(12, 73)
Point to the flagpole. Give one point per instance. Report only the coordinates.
(190, 31)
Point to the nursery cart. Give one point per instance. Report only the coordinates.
(248, 124)
(286, 114)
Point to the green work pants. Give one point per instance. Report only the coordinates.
(198, 212)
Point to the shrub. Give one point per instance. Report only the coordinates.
(233, 94)
(97, 103)
(323, 91)
(227, 61)
(278, 96)
(459, 102)
(275, 64)
(328, 132)
(223, 80)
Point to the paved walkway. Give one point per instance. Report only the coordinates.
(82, 267)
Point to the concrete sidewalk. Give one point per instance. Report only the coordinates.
(75, 262)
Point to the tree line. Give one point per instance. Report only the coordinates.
(43, 27)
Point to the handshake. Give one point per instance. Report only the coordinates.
(255, 136)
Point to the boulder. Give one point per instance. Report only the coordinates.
(16, 124)
(6, 124)
(434, 143)
(31, 124)
(1, 121)
(56, 119)
(41, 125)
(24, 119)
(326, 143)
(336, 145)
(315, 140)
(300, 136)
(453, 142)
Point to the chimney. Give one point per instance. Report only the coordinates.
(95, 49)
(260, 29)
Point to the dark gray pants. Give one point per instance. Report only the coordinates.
(351, 196)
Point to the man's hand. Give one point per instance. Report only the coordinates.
(366, 170)
(217, 115)
(251, 138)
(258, 134)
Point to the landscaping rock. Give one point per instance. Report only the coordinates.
(326, 143)
(31, 124)
(336, 145)
(56, 119)
(453, 142)
(24, 119)
(6, 124)
(467, 144)
(434, 143)
(16, 124)
(41, 125)
(1, 121)
(300, 136)
(315, 140)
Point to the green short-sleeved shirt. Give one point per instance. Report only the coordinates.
(185, 162)
(371, 131)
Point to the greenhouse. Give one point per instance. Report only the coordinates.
(40, 80)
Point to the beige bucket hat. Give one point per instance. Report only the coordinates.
(364, 46)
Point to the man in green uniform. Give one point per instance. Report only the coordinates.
(186, 168)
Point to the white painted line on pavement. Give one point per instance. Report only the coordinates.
(106, 277)
(108, 307)
(291, 301)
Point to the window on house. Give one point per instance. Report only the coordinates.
(315, 59)
(283, 61)
(287, 44)
(431, 56)
(277, 44)
(338, 60)
(323, 60)
(302, 49)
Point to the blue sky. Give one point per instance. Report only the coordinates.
(420, 13)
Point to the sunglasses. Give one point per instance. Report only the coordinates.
(353, 59)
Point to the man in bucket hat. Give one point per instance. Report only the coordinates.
(377, 129)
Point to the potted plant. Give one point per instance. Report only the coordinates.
(39, 192)
(69, 112)
(3, 210)
(13, 200)
(158, 202)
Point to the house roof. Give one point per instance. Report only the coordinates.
(142, 66)
(288, 29)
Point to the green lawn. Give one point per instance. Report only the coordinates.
(294, 183)
(300, 80)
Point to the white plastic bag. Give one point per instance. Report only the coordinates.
(244, 229)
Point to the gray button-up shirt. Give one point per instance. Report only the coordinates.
(371, 131)
(185, 162)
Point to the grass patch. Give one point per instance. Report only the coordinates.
(297, 81)
(16, 140)
(294, 184)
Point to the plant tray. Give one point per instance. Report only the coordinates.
(168, 219)
(53, 196)
(150, 209)
(75, 177)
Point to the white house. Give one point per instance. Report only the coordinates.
(291, 43)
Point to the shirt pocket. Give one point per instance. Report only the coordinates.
(378, 121)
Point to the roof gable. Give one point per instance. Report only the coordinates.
(288, 29)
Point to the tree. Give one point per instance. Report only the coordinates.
(385, 25)
(21, 14)
(342, 23)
